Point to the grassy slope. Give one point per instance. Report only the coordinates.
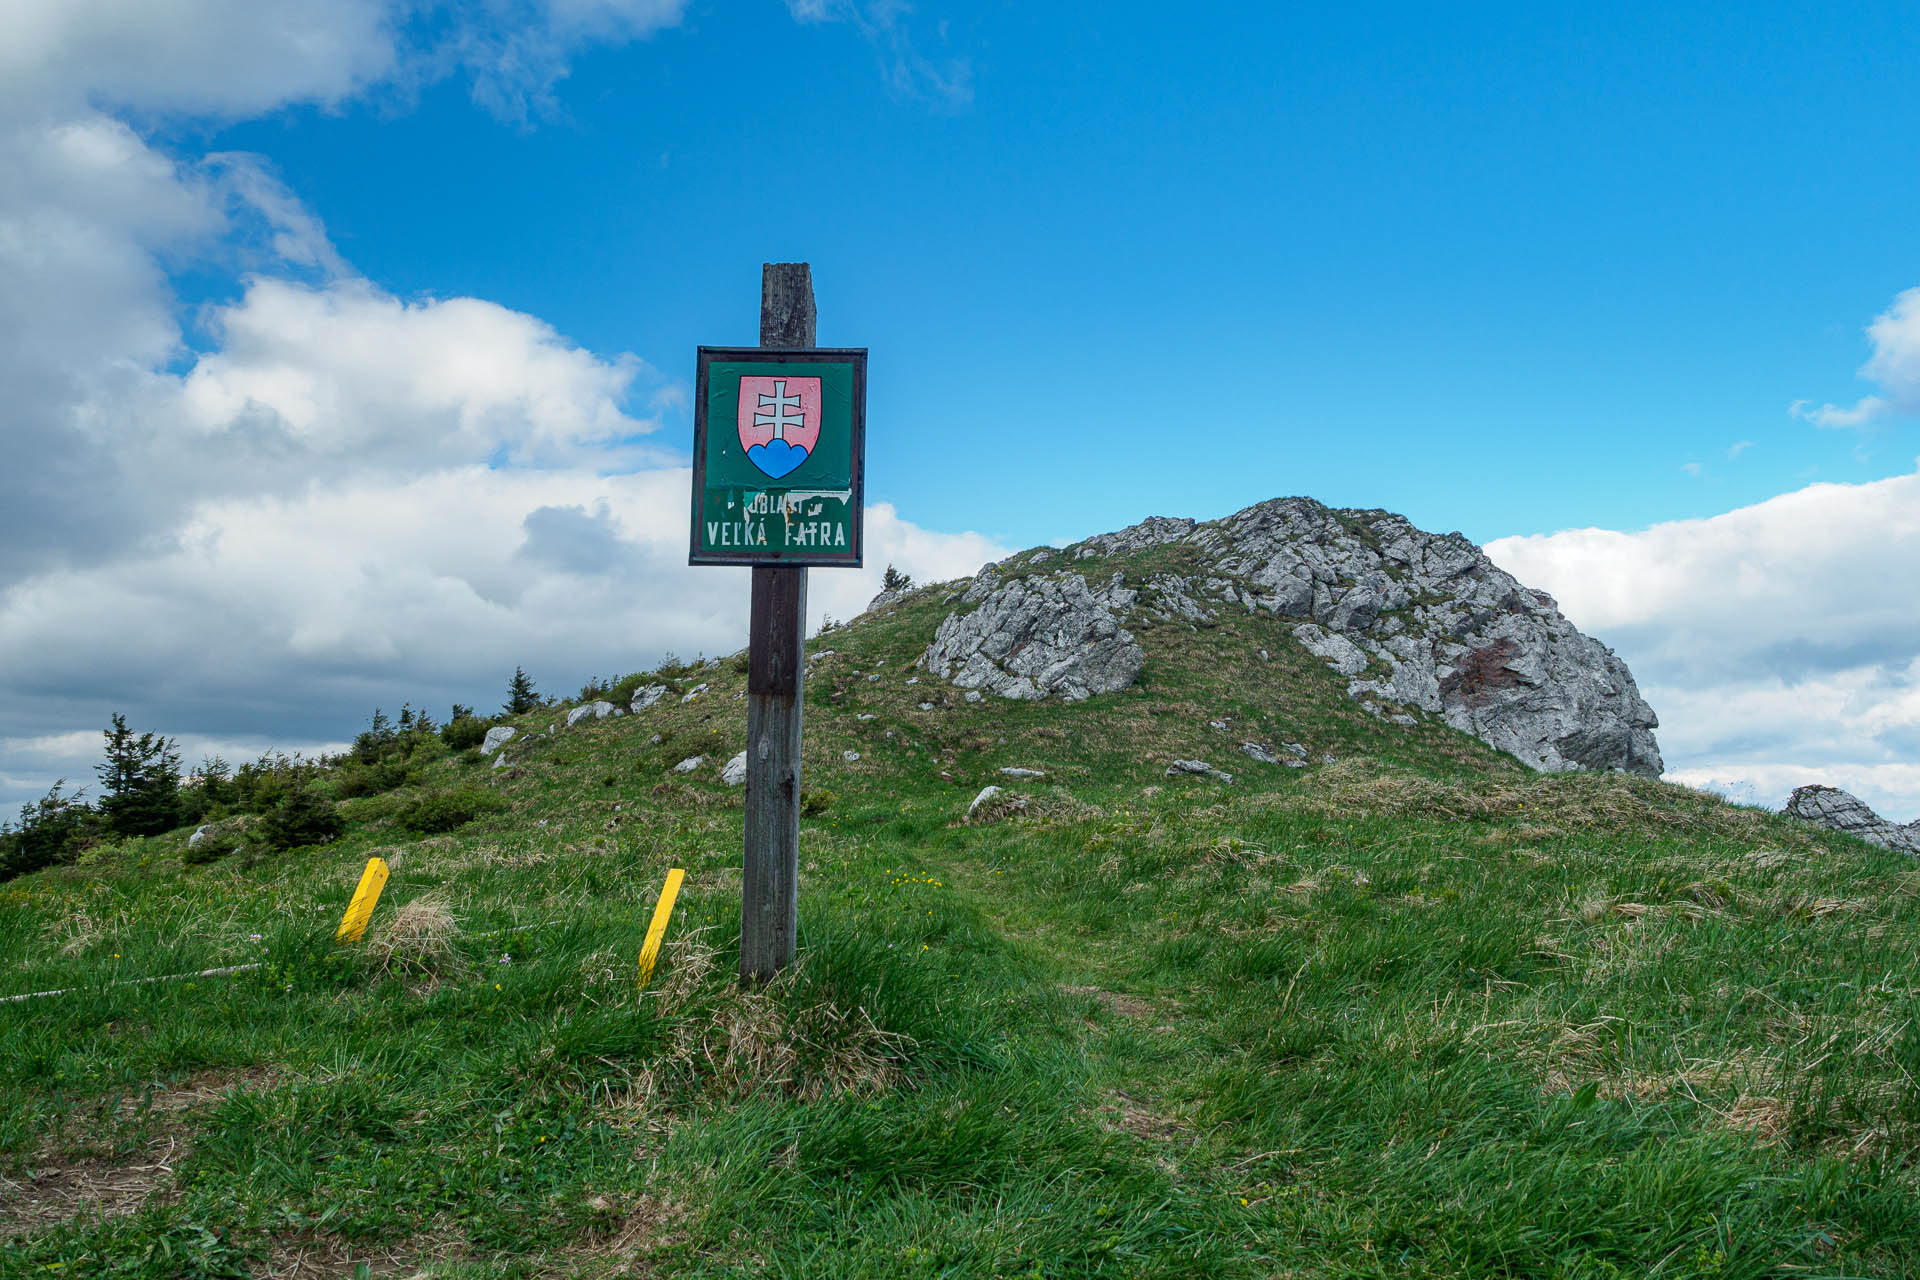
(1417, 1013)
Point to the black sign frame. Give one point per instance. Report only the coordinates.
(852, 557)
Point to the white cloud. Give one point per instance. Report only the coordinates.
(1894, 365)
(516, 51)
(341, 498)
(239, 58)
(208, 57)
(346, 375)
(1779, 643)
(1739, 447)
(285, 619)
(885, 25)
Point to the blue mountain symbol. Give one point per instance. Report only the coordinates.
(776, 457)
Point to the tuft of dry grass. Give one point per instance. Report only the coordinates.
(736, 1041)
(76, 934)
(419, 939)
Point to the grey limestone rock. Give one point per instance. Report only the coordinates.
(1338, 652)
(986, 794)
(497, 737)
(1040, 636)
(1442, 628)
(1259, 751)
(1013, 771)
(851, 757)
(1844, 811)
(1411, 618)
(1174, 599)
(689, 764)
(644, 698)
(1151, 532)
(1200, 767)
(195, 840)
(886, 598)
(735, 772)
(693, 693)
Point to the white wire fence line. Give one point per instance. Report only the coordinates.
(221, 972)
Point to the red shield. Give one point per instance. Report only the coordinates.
(779, 421)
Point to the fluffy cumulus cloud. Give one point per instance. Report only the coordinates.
(1778, 642)
(334, 497)
(1894, 367)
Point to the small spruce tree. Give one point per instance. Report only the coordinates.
(520, 695)
(894, 580)
(139, 782)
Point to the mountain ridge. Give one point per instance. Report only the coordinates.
(1413, 620)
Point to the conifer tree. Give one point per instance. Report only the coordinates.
(139, 781)
(520, 695)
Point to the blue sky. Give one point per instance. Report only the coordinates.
(349, 344)
(1505, 271)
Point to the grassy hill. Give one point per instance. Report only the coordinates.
(1416, 1012)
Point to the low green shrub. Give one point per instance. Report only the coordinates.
(221, 839)
(465, 732)
(621, 695)
(442, 811)
(356, 779)
(301, 816)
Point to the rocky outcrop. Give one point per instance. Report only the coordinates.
(497, 737)
(1408, 617)
(1154, 531)
(598, 710)
(890, 596)
(1426, 620)
(1844, 811)
(1200, 767)
(1035, 637)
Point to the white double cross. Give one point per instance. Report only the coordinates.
(779, 402)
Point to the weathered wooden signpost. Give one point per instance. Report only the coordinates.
(779, 438)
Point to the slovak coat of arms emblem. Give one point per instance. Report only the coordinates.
(779, 421)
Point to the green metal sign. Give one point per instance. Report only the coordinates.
(779, 438)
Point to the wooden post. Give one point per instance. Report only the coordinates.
(776, 656)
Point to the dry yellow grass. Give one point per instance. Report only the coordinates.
(419, 939)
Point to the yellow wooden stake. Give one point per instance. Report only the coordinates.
(360, 910)
(657, 931)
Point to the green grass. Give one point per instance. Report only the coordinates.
(1416, 1013)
